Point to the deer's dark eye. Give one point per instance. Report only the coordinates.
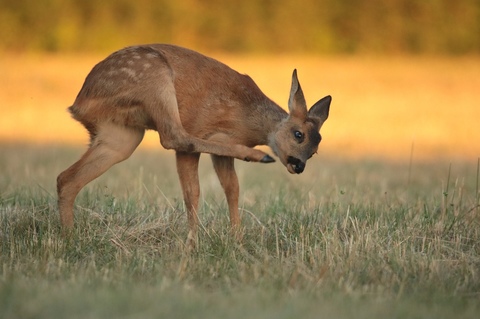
(298, 136)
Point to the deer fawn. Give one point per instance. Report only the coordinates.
(197, 105)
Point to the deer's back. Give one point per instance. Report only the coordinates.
(208, 92)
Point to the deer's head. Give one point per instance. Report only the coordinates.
(298, 136)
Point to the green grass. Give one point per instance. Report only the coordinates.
(348, 238)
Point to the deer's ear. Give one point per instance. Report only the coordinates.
(296, 102)
(320, 109)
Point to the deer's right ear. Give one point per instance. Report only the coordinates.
(296, 102)
(321, 109)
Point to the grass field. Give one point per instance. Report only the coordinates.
(384, 223)
(349, 238)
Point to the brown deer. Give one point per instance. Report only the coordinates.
(197, 105)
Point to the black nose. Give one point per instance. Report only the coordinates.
(298, 168)
(298, 165)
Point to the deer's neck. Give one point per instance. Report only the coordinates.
(264, 122)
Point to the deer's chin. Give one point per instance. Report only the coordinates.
(291, 169)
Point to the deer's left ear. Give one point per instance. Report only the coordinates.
(320, 109)
(296, 102)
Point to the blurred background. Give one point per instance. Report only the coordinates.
(404, 74)
(271, 26)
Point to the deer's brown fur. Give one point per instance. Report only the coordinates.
(197, 105)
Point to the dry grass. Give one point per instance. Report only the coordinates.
(381, 107)
(361, 239)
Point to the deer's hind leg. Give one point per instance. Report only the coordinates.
(111, 144)
(165, 114)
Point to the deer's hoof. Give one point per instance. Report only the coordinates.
(267, 159)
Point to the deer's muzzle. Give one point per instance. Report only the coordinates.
(294, 165)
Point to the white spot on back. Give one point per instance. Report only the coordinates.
(130, 72)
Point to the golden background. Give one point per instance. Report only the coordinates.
(404, 76)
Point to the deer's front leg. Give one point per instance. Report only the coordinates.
(187, 168)
(225, 169)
